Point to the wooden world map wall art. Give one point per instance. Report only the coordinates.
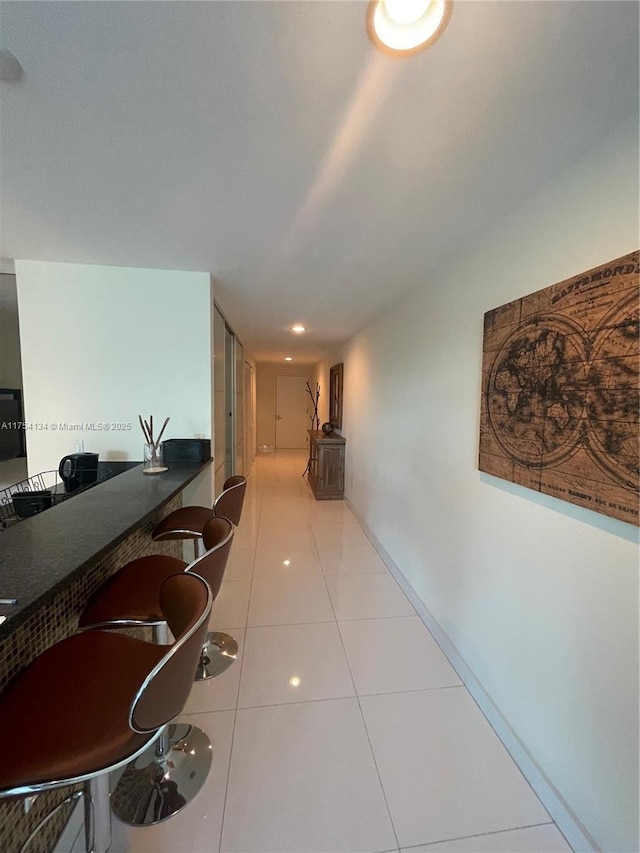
(560, 390)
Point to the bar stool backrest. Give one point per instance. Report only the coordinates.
(217, 536)
(185, 600)
(229, 502)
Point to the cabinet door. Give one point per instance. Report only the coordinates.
(313, 465)
(331, 465)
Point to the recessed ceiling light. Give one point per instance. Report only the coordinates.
(298, 329)
(288, 358)
(10, 68)
(403, 27)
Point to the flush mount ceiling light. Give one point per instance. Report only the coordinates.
(288, 358)
(404, 27)
(10, 68)
(298, 329)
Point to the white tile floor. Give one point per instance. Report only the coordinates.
(376, 747)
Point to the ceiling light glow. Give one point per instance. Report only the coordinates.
(403, 27)
(288, 358)
(295, 681)
(298, 329)
(406, 11)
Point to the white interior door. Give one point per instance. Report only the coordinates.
(292, 412)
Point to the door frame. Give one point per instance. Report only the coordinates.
(278, 376)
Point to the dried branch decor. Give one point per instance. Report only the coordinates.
(315, 418)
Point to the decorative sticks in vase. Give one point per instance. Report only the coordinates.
(152, 447)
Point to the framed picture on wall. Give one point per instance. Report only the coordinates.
(561, 390)
(335, 395)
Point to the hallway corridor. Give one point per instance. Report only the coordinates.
(341, 727)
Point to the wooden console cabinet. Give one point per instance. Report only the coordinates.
(326, 465)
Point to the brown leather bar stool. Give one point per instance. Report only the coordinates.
(93, 702)
(188, 521)
(129, 598)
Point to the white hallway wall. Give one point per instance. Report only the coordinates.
(540, 598)
(106, 344)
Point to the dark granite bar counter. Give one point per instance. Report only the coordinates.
(42, 555)
(52, 563)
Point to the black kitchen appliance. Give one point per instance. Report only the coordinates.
(78, 470)
(29, 502)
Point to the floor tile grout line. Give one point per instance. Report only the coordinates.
(293, 624)
(235, 710)
(375, 763)
(353, 574)
(381, 618)
(479, 835)
(354, 695)
(484, 716)
(358, 697)
(345, 698)
(373, 755)
(374, 618)
(513, 761)
(299, 702)
(325, 621)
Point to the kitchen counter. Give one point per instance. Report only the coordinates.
(43, 554)
(52, 563)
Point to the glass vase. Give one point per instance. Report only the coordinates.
(153, 461)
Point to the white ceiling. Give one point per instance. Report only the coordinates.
(270, 144)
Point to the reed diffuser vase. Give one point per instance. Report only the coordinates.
(153, 457)
(153, 461)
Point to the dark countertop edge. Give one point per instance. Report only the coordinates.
(14, 621)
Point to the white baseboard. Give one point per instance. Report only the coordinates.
(572, 829)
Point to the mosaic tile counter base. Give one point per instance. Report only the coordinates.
(43, 629)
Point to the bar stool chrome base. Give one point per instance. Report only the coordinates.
(164, 778)
(218, 653)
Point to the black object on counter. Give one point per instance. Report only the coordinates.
(43, 554)
(186, 450)
(31, 503)
(78, 470)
